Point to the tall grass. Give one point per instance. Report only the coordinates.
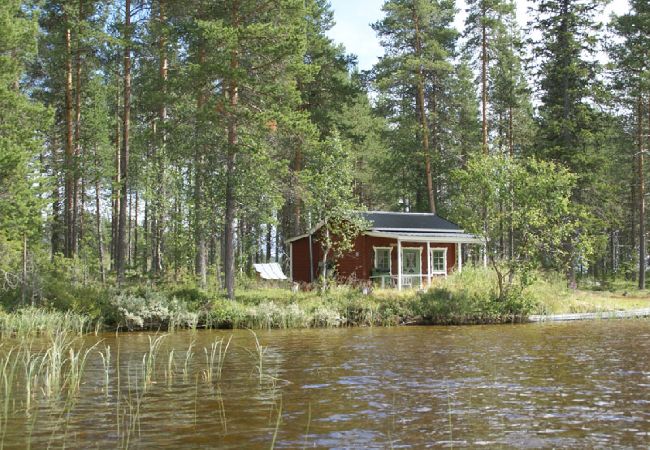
(214, 359)
(37, 321)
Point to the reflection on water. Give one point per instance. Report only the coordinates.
(542, 385)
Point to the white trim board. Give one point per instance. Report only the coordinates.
(463, 238)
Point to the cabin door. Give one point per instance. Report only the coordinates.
(411, 267)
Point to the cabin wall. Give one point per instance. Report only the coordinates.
(300, 260)
(358, 263)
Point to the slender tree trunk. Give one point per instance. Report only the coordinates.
(201, 248)
(434, 136)
(117, 182)
(297, 201)
(129, 229)
(642, 249)
(124, 159)
(98, 221)
(135, 231)
(233, 97)
(511, 144)
(484, 86)
(77, 213)
(158, 205)
(633, 201)
(269, 237)
(146, 237)
(24, 271)
(511, 152)
(69, 151)
(56, 238)
(423, 118)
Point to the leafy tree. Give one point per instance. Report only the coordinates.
(331, 200)
(543, 218)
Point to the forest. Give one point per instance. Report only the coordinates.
(152, 142)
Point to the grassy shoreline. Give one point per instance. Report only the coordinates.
(467, 298)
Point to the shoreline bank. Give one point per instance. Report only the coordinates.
(617, 314)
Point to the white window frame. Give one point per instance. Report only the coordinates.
(444, 257)
(390, 257)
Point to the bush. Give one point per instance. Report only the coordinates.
(149, 310)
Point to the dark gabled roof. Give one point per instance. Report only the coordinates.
(397, 221)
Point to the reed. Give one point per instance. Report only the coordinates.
(149, 361)
(259, 353)
(277, 425)
(76, 366)
(169, 371)
(214, 359)
(189, 354)
(31, 371)
(38, 321)
(8, 371)
(221, 410)
(106, 364)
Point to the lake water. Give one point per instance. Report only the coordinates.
(581, 384)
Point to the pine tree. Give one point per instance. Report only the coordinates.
(570, 130)
(418, 39)
(485, 21)
(22, 126)
(254, 54)
(632, 79)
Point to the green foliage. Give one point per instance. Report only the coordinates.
(419, 43)
(330, 199)
(21, 141)
(532, 198)
(149, 310)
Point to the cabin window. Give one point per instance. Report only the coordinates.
(382, 259)
(439, 260)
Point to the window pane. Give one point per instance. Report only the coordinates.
(382, 259)
(438, 260)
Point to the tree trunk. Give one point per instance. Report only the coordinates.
(129, 229)
(135, 232)
(233, 94)
(642, 255)
(297, 201)
(24, 271)
(116, 191)
(157, 212)
(423, 118)
(98, 221)
(124, 157)
(200, 263)
(77, 212)
(56, 238)
(484, 86)
(146, 236)
(69, 152)
(269, 237)
(511, 144)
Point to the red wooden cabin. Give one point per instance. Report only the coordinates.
(398, 249)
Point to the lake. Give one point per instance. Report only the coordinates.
(584, 384)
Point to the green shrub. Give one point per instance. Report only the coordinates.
(149, 309)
